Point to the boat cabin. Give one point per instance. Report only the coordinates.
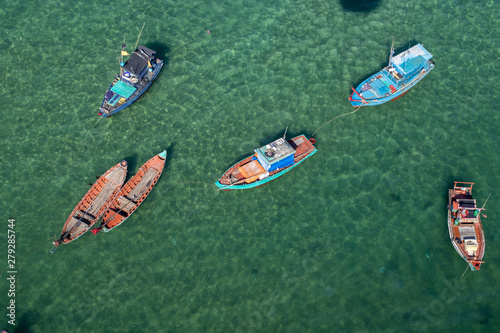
(408, 64)
(138, 64)
(471, 245)
(276, 155)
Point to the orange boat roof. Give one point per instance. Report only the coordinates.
(251, 169)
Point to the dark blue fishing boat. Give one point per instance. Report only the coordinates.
(404, 71)
(135, 77)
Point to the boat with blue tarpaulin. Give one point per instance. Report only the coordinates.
(403, 72)
(267, 163)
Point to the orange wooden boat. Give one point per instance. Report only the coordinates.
(93, 204)
(464, 224)
(133, 193)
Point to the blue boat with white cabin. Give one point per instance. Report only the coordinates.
(403, 72)
(268, 163)
(135, 77)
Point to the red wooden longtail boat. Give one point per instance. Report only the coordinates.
(93, 204)
(464, 224)
(133, 193)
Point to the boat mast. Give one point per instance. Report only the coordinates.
(482, 208)
(392, 51)
(123, 52)
(486, 201)
(407, 53)
(121, 59)
(139, 36)
(123, 49)
(113, 48)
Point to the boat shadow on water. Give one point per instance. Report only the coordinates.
(132, 164)
(405, 46)
(359, 5)
(170, 152)
(26, 322)
(162, 51)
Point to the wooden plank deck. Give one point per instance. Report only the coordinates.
(467, 231)
(102, 198)
(144, 184)
(115, 176)
(77, 225)
(304, 147)
(125, 203)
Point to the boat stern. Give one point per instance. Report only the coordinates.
(103, 113)
(355, 100)
(474, 265)
(163, 154)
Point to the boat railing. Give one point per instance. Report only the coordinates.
(463, 186)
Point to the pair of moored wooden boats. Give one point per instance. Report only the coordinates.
(107, 198)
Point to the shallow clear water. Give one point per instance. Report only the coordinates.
(353, 240)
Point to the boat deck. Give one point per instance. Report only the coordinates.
(144, 184)
(134, 192)
(140, 86)
(125, 204)
(302, 146)
(100, 201)
(378, 86)
(462, 208)
(90, 212)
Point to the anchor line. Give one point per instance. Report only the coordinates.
(345, 114)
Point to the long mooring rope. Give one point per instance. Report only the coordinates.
(37, 248)
(97, 121)
(329, 121)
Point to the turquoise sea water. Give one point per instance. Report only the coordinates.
(353, 240)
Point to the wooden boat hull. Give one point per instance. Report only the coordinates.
(223, 185)
(467, 230)
(383, 86)
(106, 111)
(93, 204)
(133, 193)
